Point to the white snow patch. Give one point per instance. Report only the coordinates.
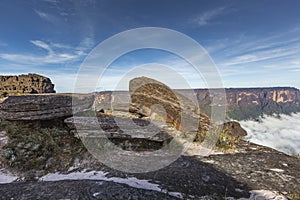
(238, 190)
(262, 195)
(96, 194)
(276, 170)
(176, 194)
(208, 161)
(266, 194)
(100, 175)
(284, 164)
(6, 177)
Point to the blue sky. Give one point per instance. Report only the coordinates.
(253, 43)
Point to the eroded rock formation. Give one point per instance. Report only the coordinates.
(25, 84)
(155, 100)
(150, 97)
(44, 106)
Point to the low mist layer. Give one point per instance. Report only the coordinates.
(279, 132)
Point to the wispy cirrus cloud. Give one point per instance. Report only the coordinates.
(264, 51)
(206, 17)
(47, 16)
(56, 53)
(260, 56)
(245, 59)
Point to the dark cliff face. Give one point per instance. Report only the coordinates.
(25, 84)
(247, 103)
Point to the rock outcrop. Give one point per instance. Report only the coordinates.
(150, 97)
(44, 106)
(123, 133)
(155, 100)
(234, 129)
(25, 84)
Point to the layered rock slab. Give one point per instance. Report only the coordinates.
(121, 131)
(43, 106)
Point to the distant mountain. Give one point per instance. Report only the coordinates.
(250, 103)
(242, 103)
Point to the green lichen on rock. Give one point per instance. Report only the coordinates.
(227, 142)
(35, 148)
(293, 196)
(225, 137)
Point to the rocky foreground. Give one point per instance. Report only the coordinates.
(43, 156)
(252, 168)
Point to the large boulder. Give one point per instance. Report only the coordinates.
(150, 97)
(234, 129)
(25, 84)
(44, 106)
(175, 108)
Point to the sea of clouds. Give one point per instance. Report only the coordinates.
(279, 132)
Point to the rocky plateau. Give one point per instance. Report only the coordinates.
(41, 141)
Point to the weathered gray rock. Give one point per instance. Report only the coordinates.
(3, 139)
(83, 189)
(121, 131)
(43, 106)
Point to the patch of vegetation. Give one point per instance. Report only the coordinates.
(293, 196)
(34, 148)
(225, 141)
(297, 156)
(245, 112)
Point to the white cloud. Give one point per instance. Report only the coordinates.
(281, 133)
(207, 16)
(246, 48)
(42, 45)
(46, 16)
(56, 54)
(243, 59)
(260, 56)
